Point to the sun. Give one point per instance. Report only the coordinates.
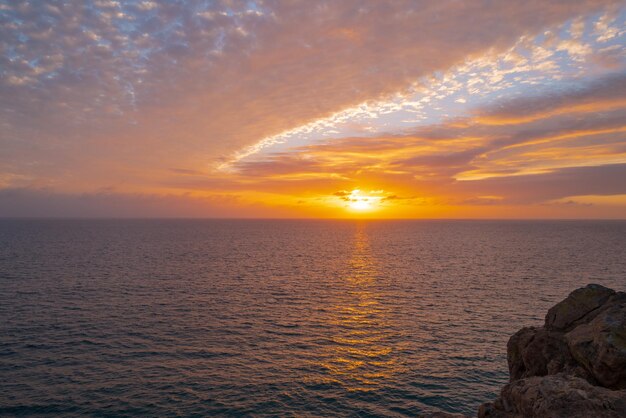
(362, 202)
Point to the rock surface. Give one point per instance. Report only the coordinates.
(555, 396)
(573, 366)
(600, 345)
(579, 304)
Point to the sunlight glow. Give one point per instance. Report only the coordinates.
(363, 202)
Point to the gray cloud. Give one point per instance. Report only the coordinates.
(565, 182)
(21, 203)
(611, 88)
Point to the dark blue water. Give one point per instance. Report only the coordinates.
(306, 318)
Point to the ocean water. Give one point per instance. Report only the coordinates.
(278, 318)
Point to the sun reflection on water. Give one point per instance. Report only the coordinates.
(361, 355)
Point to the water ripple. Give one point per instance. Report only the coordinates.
(278, 318)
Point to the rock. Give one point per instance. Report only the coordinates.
(538, 352)
(556, 396)
(600, 345)
(574, 366)
(580, 303)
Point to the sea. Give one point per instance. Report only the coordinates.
(283, 318)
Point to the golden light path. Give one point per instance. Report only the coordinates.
(364, 350)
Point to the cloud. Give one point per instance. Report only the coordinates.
(113, 89)
(532, 149)
(25, 203)
(606, 93)
(561, 183)
(128, 107)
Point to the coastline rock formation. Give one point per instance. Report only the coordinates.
(573, 366)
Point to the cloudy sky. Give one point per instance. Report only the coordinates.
(411, 109)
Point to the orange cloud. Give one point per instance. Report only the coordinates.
(137, 105)
(431, 162)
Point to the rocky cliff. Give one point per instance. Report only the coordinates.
(573, 366)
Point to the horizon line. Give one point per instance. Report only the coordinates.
(192, 218)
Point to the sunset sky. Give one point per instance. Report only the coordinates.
(399, 109)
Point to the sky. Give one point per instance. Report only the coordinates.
(313, 109)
